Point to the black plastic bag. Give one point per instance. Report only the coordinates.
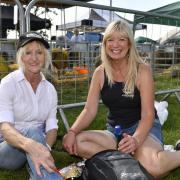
(113, 165)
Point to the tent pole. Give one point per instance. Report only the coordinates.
(27, 14)
(110, 18)
(1, 31)
(65, 27)
(21, 17)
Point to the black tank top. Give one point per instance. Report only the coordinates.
(124, 110)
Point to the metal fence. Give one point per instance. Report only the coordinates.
(165, 62)
(73, 68)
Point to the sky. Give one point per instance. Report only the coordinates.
(153, 31)
(142, 5)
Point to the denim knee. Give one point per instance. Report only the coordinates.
(10, 157)
(36, 134)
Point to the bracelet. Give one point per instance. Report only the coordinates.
(72, 131)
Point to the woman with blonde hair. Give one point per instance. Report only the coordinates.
(125, 84)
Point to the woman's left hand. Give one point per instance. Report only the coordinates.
(128, 144)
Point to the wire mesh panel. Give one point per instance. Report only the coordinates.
(74, 62)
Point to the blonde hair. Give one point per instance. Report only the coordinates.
(133, 57)
(22, 50)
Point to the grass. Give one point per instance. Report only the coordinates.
(170, 131)
(171, 128)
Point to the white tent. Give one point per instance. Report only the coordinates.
(169, 35)
(96, 20)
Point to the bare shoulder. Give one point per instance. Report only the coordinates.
(144, 69)
(99, 71)
(144, 74)
(98, 75)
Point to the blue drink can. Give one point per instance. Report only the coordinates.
(118, 132)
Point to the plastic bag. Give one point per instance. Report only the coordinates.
(113, 165)
(72, 171)
(162, 112)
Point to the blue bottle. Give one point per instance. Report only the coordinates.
(118, 132)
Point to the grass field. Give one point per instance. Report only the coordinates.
(171, 128)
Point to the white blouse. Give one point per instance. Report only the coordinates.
(22, 107)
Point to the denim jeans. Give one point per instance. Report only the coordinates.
(13, 158)
(155, 132)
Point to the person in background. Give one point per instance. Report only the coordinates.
(76, 37)
(76, 49)
(28, 105)
(125, 84)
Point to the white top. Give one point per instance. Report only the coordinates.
(78, 44)
(77, 38)
(22, 107)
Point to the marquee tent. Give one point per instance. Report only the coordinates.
(7, 15)
(6, 20)
(170, 9)
(96, 20)
(174, 40)
(42, 3)
(142, 39)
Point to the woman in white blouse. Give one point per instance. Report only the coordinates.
(28, 103)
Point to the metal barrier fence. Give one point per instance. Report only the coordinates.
(73, 68)
(165, 61)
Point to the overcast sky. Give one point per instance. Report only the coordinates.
(142, 5)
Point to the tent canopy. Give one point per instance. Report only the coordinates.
(142, 39)
(170, 9)
(43, 3)
(6, 20)
(96, 20)
(175, 40)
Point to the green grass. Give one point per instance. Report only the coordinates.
(171, 131)
(61, 157)
(166, 82)
(171, 128)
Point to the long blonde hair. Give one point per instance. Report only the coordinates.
(133, 57)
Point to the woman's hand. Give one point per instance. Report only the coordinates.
(69, 142)
(40, 156)
(128, 144)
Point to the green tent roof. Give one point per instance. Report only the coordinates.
(170, 9)
(142, 39)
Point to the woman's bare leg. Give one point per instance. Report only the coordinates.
(91, 142)
(157, 161)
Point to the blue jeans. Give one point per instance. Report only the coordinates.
(155, 132)
(12, 158)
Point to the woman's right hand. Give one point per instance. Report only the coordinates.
(69, 143)
(40, 156)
